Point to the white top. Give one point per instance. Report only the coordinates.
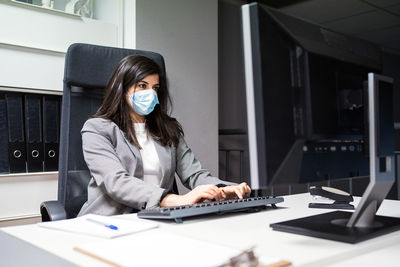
(151, 162)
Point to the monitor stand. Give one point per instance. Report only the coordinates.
(325, 226)
(363, 224)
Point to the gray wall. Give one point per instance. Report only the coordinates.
(185, 32)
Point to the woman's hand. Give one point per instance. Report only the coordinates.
(199, 194)
(203, 192)
(232, 191)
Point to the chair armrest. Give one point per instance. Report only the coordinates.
(52, 211)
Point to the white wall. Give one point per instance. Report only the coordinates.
(185, 33)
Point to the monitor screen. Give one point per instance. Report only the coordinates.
(305, 98)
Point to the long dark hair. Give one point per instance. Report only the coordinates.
(129, 71)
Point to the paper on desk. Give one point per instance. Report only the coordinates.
(161, 248)
(83, 226)
(158, 248)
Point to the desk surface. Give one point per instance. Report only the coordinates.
(243, 231)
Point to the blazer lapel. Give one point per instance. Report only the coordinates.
(138, 170)
(164, 155)
(133, 148)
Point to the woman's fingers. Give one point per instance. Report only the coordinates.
(239, 190)
(210, 191)
(231, 190)
(200, 197)
(218, 193)
(248, 189)
(213, 192)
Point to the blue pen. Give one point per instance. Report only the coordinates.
(112, 227)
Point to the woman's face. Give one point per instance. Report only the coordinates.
(149, 82)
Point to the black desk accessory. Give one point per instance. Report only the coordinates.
(362, 224)
(341, 198)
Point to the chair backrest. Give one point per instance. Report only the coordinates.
(87, 70)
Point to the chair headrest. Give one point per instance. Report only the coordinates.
(90, 66)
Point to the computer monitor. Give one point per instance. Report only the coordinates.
(306, 93)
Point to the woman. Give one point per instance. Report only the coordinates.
(133, 148)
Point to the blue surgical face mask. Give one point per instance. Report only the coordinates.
(144, 101)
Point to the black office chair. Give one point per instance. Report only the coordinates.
(87, 69)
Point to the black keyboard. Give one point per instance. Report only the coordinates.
(217, 207)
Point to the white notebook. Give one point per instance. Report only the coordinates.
(101, 226)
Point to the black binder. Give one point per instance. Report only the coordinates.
(4, 165)
(16, 140)
(33, 133)
(51, 126)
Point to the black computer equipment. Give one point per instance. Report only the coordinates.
(207, 208)
(304, 92)
(363, 224)
(308, 113)
(341, 198)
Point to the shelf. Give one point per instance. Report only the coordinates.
(30, 90)
(22, 217)
(43, 9)
(23, 174)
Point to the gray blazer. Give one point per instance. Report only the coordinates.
(116, 168)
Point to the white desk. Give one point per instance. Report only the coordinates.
(243, 231)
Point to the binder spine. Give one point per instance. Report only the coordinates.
(4, 164)
(33, 133)
(16, 140)
(51, 125)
